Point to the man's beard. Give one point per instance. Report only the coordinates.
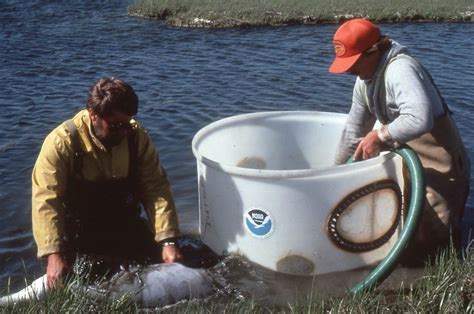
(110, 140)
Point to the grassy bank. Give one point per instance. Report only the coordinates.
(447, 287)
(245, 13)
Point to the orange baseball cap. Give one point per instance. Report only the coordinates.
(350, 40)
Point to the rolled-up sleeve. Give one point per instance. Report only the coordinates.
(49, 182)
(155, 190)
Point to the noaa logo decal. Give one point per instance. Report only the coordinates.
(258, 222)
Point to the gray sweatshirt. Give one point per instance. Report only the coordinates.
(401, 95)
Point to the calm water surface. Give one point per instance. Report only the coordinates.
(52, 51)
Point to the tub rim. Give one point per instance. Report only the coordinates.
(274, 173)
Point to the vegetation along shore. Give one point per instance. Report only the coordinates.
(246, 13)
(447, 286)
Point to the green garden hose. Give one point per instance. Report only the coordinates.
(415, 208)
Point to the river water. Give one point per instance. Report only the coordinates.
(52, 51)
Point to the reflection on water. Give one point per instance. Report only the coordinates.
(52, 51)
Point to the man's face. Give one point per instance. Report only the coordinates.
(366, 66)
(110, 129)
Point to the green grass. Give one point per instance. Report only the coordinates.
(446, 287)
(238, 13)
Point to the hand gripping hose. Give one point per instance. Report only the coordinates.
(388, 264)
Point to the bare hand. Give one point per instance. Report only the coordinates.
(369, 146)
(57, 268)
(171, 254)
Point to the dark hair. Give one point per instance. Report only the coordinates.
(109, 95)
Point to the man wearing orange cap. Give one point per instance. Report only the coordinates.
(395, 89)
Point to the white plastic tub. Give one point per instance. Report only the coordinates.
(268, 190)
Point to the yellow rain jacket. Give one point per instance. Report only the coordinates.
(55, 163)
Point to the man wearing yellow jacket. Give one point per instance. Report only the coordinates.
(93, 175)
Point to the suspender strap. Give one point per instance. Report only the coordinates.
(445, 105)
(79, 152)
(76, 146)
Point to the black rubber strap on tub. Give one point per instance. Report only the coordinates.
(336, 213)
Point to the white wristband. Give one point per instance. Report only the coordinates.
(383, 134)
(386, 138)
